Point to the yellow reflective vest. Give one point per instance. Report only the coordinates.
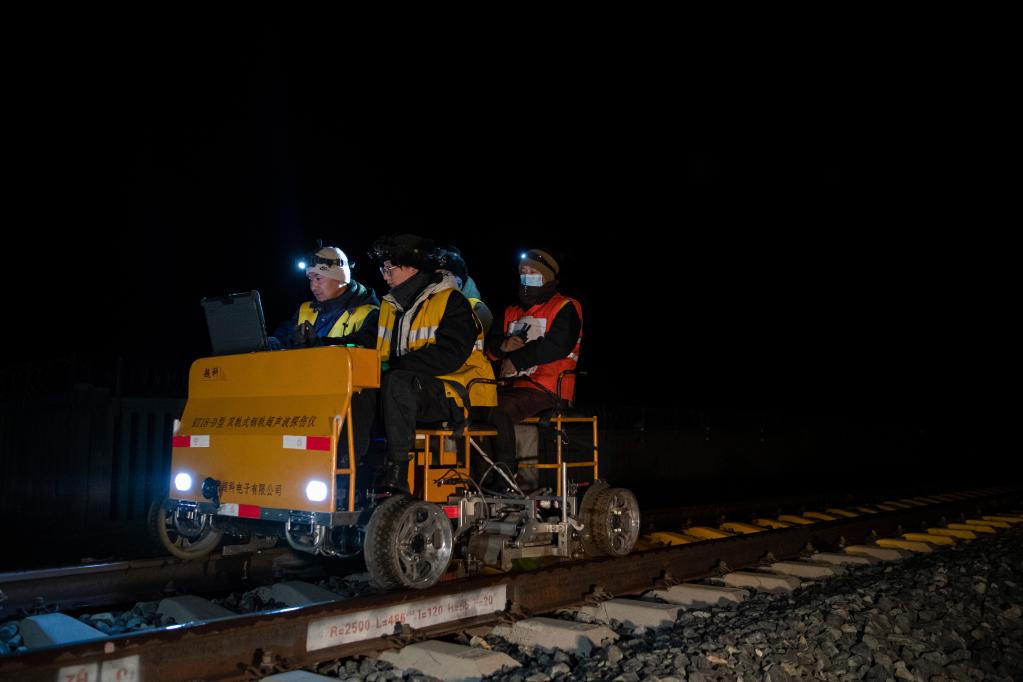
(425, 315)
(348, 323)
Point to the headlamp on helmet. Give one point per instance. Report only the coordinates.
(328, 261)
(405, 249)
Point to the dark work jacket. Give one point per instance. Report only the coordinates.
(455, 335)
(328, 312)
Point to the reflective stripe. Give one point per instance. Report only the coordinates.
(191, 441)
(478, 345)
(245, 511)
(422, 334)
(306, 443)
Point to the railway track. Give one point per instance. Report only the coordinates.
(105, 585)
(243, 646)
(110, 584)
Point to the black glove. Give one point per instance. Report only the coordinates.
(304, 336)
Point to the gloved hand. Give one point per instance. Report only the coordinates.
(512, 343)
(304, 336)
(508, 368)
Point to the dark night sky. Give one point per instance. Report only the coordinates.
(766, 241)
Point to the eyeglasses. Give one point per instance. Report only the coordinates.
(386, 269)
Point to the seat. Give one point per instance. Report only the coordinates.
(441, 460)
(557, 418)
(441, 464)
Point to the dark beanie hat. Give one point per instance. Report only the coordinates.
(406, 249)
(542, 262)
(450, 260)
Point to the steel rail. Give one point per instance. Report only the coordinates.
(247, 646)
(110, 584)
(102, 585)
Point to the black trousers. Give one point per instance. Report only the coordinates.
(364, 408)
(514, 405)
(407, 397)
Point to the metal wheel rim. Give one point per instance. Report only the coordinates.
(186, 538)
(424, 544)
(623, 522)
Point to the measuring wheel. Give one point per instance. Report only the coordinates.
(184, 533)
(408, 543)
(611, 520)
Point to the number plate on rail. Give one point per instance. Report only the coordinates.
(355, 627)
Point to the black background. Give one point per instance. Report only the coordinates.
(781, 230)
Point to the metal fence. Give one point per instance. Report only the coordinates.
(84, 460)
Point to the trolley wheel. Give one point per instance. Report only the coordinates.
(408, 543)
(612, 522)
(184, 534)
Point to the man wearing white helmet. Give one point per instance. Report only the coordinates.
(343, 312)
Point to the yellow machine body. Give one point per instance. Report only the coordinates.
(266, 424)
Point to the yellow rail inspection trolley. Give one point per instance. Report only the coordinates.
(255, 455)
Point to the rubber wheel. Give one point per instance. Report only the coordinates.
(614, 521)
(186, 535)
(585, 516)
(408, 543)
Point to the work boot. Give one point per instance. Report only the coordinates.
(396, 476)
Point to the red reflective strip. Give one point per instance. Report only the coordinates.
(317, 443)
(180, 441)
(248, 511)
(451, 511)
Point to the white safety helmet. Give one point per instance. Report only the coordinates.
(331, 262)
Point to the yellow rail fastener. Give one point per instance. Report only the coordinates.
(772, 523)
(820, 516)
(798, 520)
(953, 533)
(669, 538)
(985, 522)
(1003, 518)
(911, 545)
(926, 537)
(705, 533)
(976, 527)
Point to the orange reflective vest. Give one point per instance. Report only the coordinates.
(540, 317)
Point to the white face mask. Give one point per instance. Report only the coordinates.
(531, 280)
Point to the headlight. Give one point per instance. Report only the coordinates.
(183, 482)
(316, 491)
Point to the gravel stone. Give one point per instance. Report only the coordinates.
(8, 631)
